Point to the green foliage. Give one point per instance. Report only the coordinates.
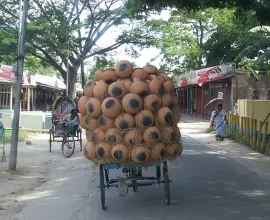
(211, 131)
(23, 135)
(101, 63)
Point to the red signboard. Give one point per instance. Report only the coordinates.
(181, 81)
(6, 73)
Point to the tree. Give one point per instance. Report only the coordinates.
(63, 34)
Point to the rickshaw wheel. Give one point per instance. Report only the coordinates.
(69, 143)
(80, 135)
(102, 186)
(50, 141)
(166, 183)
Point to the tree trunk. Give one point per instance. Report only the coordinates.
(72, 79)
(82, 75)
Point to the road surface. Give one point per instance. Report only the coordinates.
(206, 185)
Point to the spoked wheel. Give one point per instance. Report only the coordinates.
(80, 136)
(50, 141)
(166, 183)
(102, 186)
(68, 146)
(134, 173)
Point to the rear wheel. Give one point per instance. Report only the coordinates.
(68, 146)
(102, 186)
(166, 183)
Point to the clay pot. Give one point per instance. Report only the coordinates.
(167, 101)
(165, 76)
(89, 135)
(177, 133)
(82, 104)
(140, 73)
(111, 107)
(152, 77)
(89, 88)
(100, 89)
(99, 75)
(124, 121)
(103, 150)
(140, 88)
(90, 151)
(169, 87)
(168, 134)
(151, 135)
(176, 117)
(91, 123)
(151, 69)
(158, 152)
(136, 79)
(123, 81)
(144, 119)
(156, 87)
(109, 76)
(140, 155)
(113, 136)
(124, 68)
(128, 85)
(132, 103)
(82, 122)
(117, 89)
(105, 122)
(120, 153)
(93, 107)
(152, 103)
(133, 137)
(98, 135)
(174, 150)
(175, 99)
(164, 116)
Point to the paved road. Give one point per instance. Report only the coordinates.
(205, 185)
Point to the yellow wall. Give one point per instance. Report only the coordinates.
(257, 109)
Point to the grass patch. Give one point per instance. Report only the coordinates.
(8, 133)
(211, 131)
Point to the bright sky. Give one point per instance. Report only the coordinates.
(145, 55)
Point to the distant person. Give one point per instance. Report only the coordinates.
(219, 120)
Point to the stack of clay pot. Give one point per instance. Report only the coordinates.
(130, 116)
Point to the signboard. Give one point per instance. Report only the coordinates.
(182, 81)
(2, 130)
(206, 75)
(6, 73)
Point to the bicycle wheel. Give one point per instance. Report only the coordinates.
(68, 146)
(166, 183)
(102, 186)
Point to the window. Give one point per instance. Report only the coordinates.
(5, 93)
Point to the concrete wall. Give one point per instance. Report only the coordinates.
(263, 88)
(29, 119)
(257, 109)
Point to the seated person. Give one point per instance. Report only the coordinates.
(73, 118)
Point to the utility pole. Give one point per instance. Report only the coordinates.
(16, 115)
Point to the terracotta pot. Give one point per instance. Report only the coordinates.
(140, 73)
(82, 122)
(91, 123)
(113, 136)
(89, 135)
(103, 151)
(151, 135)
(144, 119)
(100, 89)
(176, 117)
(136, 79)
(132, 103)
(117, 89)
(90, 151)
(140, 88)
(161, 79)
(156, 87)
(105, 123)
(128, 85)
(120, 153)
(158, 152)
(124, 80)
(152, 77)
(165, 76)
(99, 75)
(175, 99)
(140, 155)
(168, 134)
(98, 135)
(109, 76)
(133, 138)
(169, 87)
(151, 69)
(167, 101)
(111, 107)
(124, 68)
(82, 104)
(164, 116)
(174, 150)
(177, 133)
(89, 88)
(152, 103)
(93, 107)
(124, 121)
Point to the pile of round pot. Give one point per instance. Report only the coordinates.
(130, 116)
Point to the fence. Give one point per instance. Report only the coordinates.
(250, 132)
